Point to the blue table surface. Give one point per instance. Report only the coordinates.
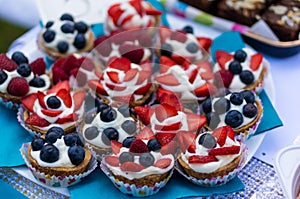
(8, 192)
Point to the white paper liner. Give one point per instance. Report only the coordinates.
(132, 189)
(57, 181)
(9, 104)
(20, 117)
(220, 180)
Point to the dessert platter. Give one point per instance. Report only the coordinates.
(142, 102)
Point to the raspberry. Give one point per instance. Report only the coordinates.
(38, 67)
(138, 146)
(18, 86)
(6, 63)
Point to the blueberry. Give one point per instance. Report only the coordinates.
(62, 47)
(127, 141)
(235, 67)
(66, 17)
(108, 115)
(37, 144)
(240, 55)
(37, 82)
(212, 120)
(109, 134)
(248, 96)
(24, 70)
(49, 24)
(57, 130)
(67, 28)
(249, 110)
(3, 76)
(19, 58)
(89, 117)
(247, 77)
(222, 105)
(188, 29)
(102, 106)
(49, 153)
(192, 47)
(49, 36)
(71, 139)
(53, 134)
(146, 159)
(80, 41)
(124, 110)
(129, 127)
(234, 118)
(236, 98)
(153, 145)
(81, 27)
(53, 102)
(76, 154)
(126, 157)
(206, 105)
(207, 140)
(166, 50)
(91, 133)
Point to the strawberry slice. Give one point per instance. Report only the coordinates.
(256, 61)
(58, 75)
(169, 148)
(114, 87)
(124, 98)
(78, 98)
(230, 132)
(178, 36)
(193, 75)
(143, 76)
(206, 65)
(61, 85)
(143, 113)
(222, 57)
(163, 163)
(186, 140)
(115, 12)
(223, 78)
(146, 66)
(132, 52)
(100, 75)
(51, 113)
(65, 96)
(41, 96)
(152, 11)
(205, 90)
(168, 79)
(143, 90)
(195, 121)
(129, 75)
(161, 92)
(69, 118)
(207, 75)
(38, 66)
(204, 42)
(138, 146)
(28, 101)
(87, 63)
(126, 19)
(137, 4)
(165, 138)
(164, 111)
(169, 127)
(225, 150)
(221, 135)
(180, 59)
(164, 33)
(172, 100)
(97, 86)
(131, 167)
(113, 76)
(120, 64)
(165, 64)
(36, 120)
(145, 134)
(199, 159)
(112, 160)
(115, 146)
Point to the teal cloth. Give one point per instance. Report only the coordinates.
(8, 192)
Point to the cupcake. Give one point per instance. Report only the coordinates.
(58, 106)
(124, 82)
(243, 69)
(210, 158)
(242, 111)
(65, 36)
(137, 167)
(58, 160)
(19, 78)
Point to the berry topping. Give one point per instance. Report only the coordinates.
(36, 120)
(170, 99)
(236, 98)
(66, 17)
(24, 70)
(126, 157)
(206, 105)
(67, 28)
(168, 79)
(109, 134)
(53, 102)
(207, 140)
(108, 115)
(132, 52)
(223, 78)
(222, 57)
(62, 47)
(80, 41)
(250, 110)
(221, 134)
(221, 105)
(195, 121)
(3, 76)
(192, 47)
(125, 110)
(19, 58)
(247, 77)
(115, 146)
(166, 50)
(153, 145)
(120, 64)
(78, 99)
(178, 36)
(53, 134)
(240, 55)
(143, 113)
(165, 138)
(127, 141)
(145, 134)
(256, 61)
(37, 144)
(81, 27)
(49, 36)
(235, 67)
(164, 111)
(6, 63)
(225, 150)
(205, 90)
(234, 118)
(129, 127)
(49, 24)
(138, 146)
(131, 167)
(163, 163)
(37, 82)
(146, 159)
(248, 96)
(112, 160)
(212, 119)
(186, 141)
(72, 139)
(76, 154)
(49, 153)
(18, 86)
(198, 159)
(169, 148)
(102, 106)
(188, 29)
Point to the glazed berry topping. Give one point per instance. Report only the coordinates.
(19, 58)
(72, 139)
(192, 47)
(124, 110)
(49, 24)
(109, 134)
(62, 46)
(247, 77)
(91, 133)
(102, 106)
(129, 127)
(3, 76)
(153, 145)
(146, 159)
(236, 98)
(212, 119)
(206, 105)
(53, 134)
(127, 142)
(235, 67)
(207, 140)
(66, 17)
(37, 144)
(24, 70)
(81, 27)
(76, 154)
(80, 41)
(188, 29)
(108, 115)
(222, 105)
(240, 55)
(234, 118)
(248, 96)
(126, 157)
(67, 28)
(49, 36)
(37, 82)
(53, 102)
(166, 50)
(249, 110)
(49, 153)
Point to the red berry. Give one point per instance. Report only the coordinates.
(58, 75)
(225, 150)
(185, 139)
(113, 76)
(138, 146)
(69, 118)
(164, 33)
(6, 63)
(168, 79)
(61, 85)
(103, 45)
(195, 121)
(222, 57)
(18, 86)
(120, 64)
(51, 113)
(36, 120)
(169, 148)
(204, 42)
(172, 100)
(143, 113)
(132, 52)
(78, 98)
(256, 61)
(193, 75)
(115, 146)
(165, 138)
(143, 90)
(163, 163)
(221, 135)
(197, 159)
(152, 11)
(65, 96)
(205, 90)
(129, 75)
(41, 96)
(38, 67)
(178, 36)
(131, 167)
(223, 78)
(164, 111)
(97, 86)
(169, 127)
(112, 160)
(145, 134)
(28, 101)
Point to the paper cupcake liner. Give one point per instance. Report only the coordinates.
(132, 189)
(216, 181)
(9, 104)
(20, 117)
(57, 181)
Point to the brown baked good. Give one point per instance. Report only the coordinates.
(204, 5)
